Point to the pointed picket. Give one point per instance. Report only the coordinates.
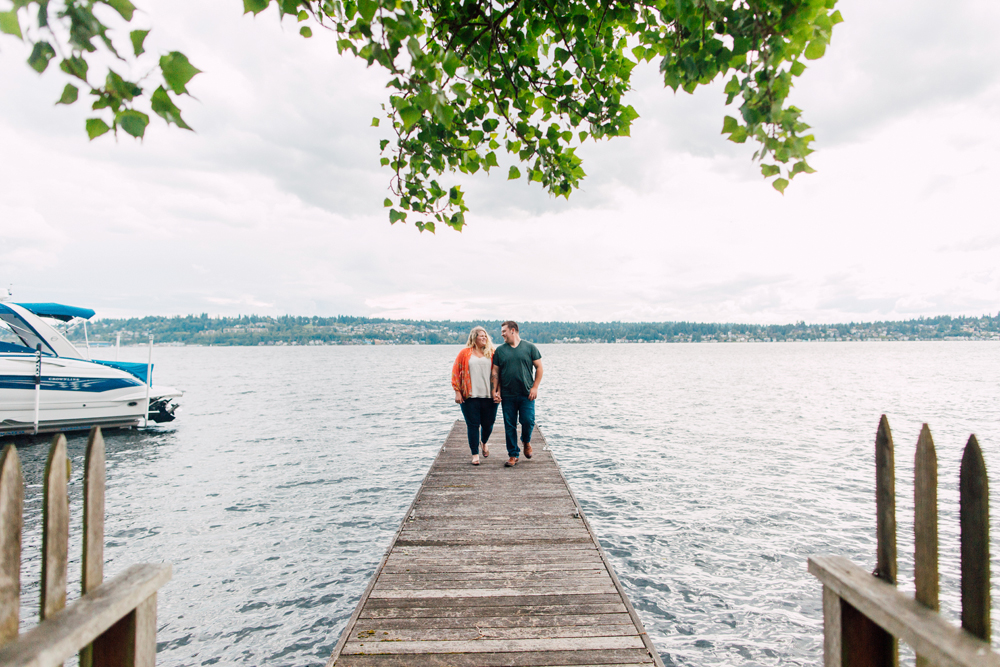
(974, 516)
(55, 529)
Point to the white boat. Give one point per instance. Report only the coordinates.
(72, 392)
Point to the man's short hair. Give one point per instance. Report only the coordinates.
(510, 324)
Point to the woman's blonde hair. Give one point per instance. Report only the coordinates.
(490, 347)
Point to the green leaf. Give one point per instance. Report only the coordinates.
(375, 124)
(303, 15)
(409, 116)
(802, 167)
(96, 127)
(395, 216)
(255, 6)
(123, 7)
(165, 108)
(306, 31)
(177, 71)
(75, 66)
(367, 9)
(729, 125)
(138, 37)
(513, 174)
(451, 63)
(769, 170)
(816, 49)
(797, 68)
(132, 121)
(387, 203)
(69, 94)
(9, 23)
(780, 184)
(40, 56)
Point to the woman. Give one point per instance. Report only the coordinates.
(471, 378)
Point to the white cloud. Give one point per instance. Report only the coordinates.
(274, 204)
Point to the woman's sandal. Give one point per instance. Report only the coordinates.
(475, 463)
(486, 451)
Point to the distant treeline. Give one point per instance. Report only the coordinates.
(290, 330)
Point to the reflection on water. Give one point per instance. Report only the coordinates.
(709, 472)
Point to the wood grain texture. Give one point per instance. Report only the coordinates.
(902, 616)
(494, 566)
(11, 524)
(974, 516)
(885, 502)
(55, 529)
(92, 564)
(832, 631)
(50, 643)
(93, 512)
(925, 525)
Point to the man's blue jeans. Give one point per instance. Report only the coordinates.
(517, 409)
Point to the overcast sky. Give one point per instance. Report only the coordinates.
(274, 205)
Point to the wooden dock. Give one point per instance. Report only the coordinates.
(494, 567)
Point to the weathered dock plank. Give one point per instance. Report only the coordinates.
(494, 567)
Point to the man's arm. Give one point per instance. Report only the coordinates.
(533, 394)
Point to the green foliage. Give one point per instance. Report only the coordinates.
(72, 32)
(532, 79)
(298, 330)
(535, 78)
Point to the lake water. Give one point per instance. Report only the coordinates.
(708, 472)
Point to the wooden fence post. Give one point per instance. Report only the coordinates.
(974, 516)
(11, 520)
(55, 529)
(113, 624)
(93, 523)
(863, 643)
(925, 525)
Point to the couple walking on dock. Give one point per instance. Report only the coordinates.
(485, 376)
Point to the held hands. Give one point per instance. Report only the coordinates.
(496, 396)
(458, 397)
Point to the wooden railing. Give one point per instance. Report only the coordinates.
(864, 614)
(112, 624)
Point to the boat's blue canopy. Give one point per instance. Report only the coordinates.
(57, 310)
(132, 368)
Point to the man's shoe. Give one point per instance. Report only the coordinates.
(510, 463)
(527, 450)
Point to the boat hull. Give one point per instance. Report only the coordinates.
(75, 394)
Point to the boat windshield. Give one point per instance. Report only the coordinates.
(15, 332)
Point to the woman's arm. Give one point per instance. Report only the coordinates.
(458, 372)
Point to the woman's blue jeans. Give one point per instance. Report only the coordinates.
(480, 415)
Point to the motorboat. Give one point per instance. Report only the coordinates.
(47, 385)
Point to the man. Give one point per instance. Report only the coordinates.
(514, 362)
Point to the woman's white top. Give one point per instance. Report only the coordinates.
(479, 373)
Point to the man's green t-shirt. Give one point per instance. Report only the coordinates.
(516, 366)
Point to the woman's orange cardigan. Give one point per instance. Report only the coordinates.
(461, 381)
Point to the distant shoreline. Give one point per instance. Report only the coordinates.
(254, 330)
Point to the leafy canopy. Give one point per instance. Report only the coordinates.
(474, 78)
